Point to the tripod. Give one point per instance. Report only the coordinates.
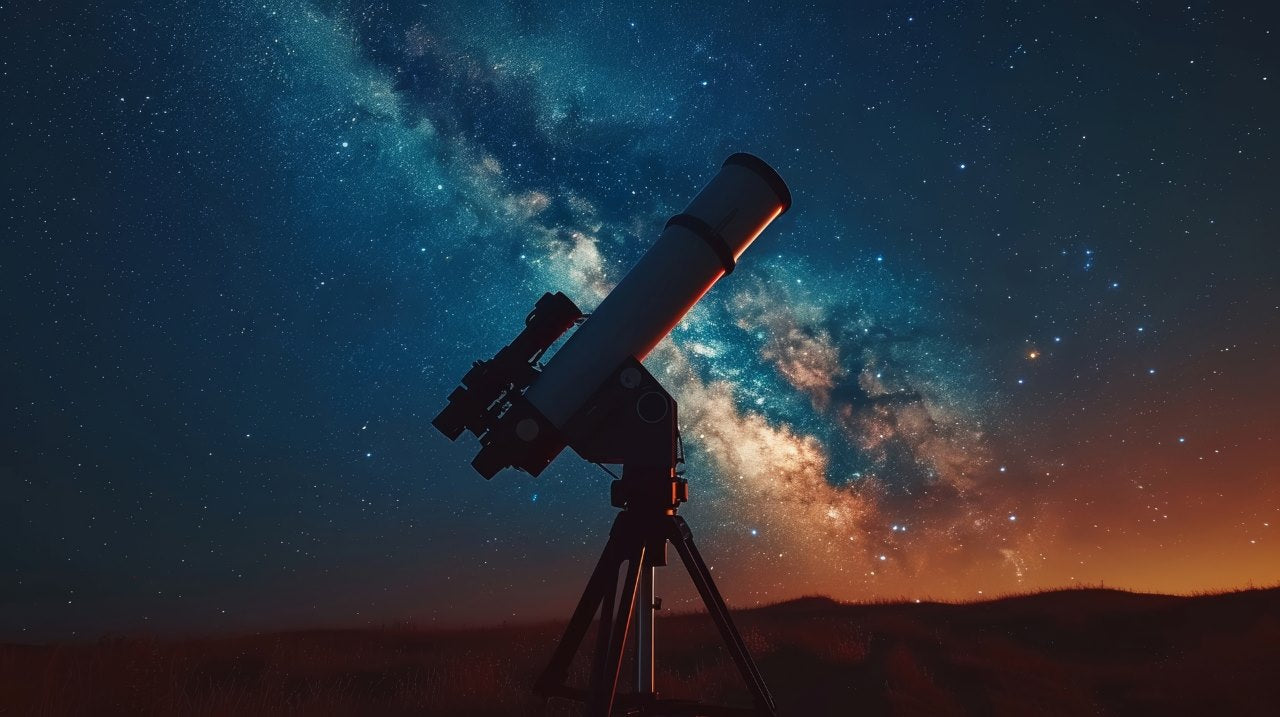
(628, 422)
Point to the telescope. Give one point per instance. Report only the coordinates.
(595, 396)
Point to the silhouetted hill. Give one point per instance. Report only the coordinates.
(1068, 652)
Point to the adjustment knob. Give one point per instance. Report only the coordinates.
(527, 430)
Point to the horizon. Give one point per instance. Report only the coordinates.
(695, 609)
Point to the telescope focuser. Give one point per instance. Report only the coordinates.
(489, 387)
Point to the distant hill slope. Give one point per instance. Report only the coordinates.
(1073, 652)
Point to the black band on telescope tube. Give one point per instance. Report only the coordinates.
(708, 234)
(765, 172)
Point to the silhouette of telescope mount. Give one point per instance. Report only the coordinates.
(596, 397)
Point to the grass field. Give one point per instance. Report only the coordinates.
(1071, 652)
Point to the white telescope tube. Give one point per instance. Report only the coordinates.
(695, 249)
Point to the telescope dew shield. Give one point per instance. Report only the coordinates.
(695, 249)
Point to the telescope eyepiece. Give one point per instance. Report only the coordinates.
(489, 385)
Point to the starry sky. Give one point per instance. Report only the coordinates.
(1019, 330)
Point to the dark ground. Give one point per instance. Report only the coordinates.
(1071, 652)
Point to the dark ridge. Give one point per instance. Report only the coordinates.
(1067, 652)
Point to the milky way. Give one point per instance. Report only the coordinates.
(1015, 333)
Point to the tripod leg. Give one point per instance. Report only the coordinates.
(604, 692)
(644, 632)
(605, 629)
(604, 577)
(682, 538)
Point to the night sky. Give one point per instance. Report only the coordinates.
(1019, 331)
